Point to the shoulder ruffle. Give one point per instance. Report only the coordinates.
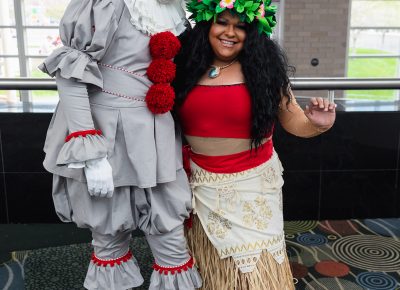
(73, 63)
(86, 31)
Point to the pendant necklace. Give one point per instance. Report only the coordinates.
(216, 70)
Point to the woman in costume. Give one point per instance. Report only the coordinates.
(112, 145)
(232, 86)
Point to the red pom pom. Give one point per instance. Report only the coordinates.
(161, 71)
(160, 98)
(164, 45)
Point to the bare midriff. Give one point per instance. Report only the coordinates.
(218, 146)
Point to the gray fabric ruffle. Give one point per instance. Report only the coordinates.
(86, 31)
(186, 280)
(82, 149)
(156, 210)
(143, 149)
(124, 276)
(73, 63)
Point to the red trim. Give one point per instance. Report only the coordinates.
(234, 163)
(105, 263)
(163, 47)
(83, 134)
(189, 221)
(186, 151)
(166, 270)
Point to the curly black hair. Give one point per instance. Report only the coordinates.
(264, 67)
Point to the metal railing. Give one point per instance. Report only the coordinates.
(304, 84)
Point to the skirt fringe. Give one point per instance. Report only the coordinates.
(222, 274)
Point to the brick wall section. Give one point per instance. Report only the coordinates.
(316, 29)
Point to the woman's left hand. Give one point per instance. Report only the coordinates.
(321, 112)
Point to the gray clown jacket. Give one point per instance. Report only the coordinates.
(102, 86)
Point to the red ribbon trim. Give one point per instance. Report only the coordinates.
(167, 270)
(83, 134)
(186, 160)
(105, 263)
(189, 222)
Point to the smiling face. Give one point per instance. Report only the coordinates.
(227, 36)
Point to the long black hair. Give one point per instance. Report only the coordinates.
(264, 66)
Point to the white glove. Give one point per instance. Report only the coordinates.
(99, 177)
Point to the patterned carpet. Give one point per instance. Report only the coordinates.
(352, 254)
(327, 255)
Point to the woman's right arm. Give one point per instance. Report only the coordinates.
(295, 121)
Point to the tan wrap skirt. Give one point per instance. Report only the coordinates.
(237, 236)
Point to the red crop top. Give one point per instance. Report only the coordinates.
(217, 111)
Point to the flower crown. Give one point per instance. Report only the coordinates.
(247, 10)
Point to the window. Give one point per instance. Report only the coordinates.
(374, 45)
(28, 33)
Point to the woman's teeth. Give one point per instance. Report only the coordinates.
(227, 43)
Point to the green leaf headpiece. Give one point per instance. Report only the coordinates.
(248, 11)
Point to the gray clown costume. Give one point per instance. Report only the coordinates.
(102, 83)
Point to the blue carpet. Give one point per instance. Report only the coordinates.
(12, 272)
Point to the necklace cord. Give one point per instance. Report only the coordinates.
(216, 70)
(225, 66)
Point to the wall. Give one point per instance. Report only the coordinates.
(316, 29)
(352, 171)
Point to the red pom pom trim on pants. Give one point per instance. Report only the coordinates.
(112, 262)
(172, 270)
(83, 134)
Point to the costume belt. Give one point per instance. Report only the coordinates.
(232, 163)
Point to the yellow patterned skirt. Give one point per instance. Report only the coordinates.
(237, 236)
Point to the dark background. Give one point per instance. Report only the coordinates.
(352, 171)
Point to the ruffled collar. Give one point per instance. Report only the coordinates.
(151, 16)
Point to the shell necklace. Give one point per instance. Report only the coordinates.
(216, 70)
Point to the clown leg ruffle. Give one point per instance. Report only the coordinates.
(113, 266)
(174, 268)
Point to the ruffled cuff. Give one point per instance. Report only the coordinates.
(73, 63)
(113, 274)
(80, 149)
(184, 277)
